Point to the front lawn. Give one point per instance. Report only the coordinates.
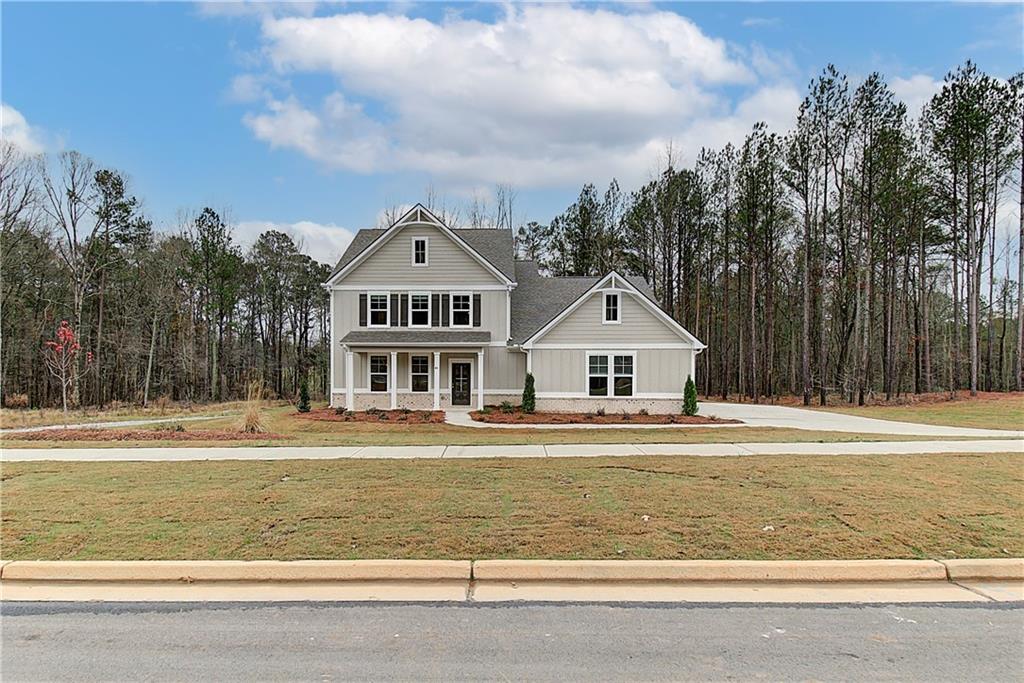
(643, 507)
(985, 411)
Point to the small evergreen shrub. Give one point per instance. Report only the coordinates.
(690, 397)
(529, 394)
(304, 396)
(643, 411)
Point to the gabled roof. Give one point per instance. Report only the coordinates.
(493, 248)
(537, 299)
(538, 302)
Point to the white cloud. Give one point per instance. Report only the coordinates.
(325, 242)
(15, 130)
(915, 91)
(547, 94)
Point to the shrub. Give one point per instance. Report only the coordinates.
(487, 410)
(690, 398)
(340, 410)
(178, 427)
(507, 407)
(16, 401)
(588, 416)
(252, 420)
(529, 394)
(643, 411)
(372, 411)
(626, 416)
(600, 411)
(382, 416)
(304, 396)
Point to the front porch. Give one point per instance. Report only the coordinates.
(419, 371)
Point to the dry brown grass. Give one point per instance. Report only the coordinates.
(850, 507)
(252, 418)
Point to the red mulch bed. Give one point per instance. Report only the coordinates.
(496, 416)
(140, 435)
(412, 417)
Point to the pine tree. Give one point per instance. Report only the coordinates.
(690, 397)
(529, 395)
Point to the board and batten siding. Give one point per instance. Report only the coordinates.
(584, 326)
(448, 263)
(657, 371)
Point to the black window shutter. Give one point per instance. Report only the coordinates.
(394, 310)
(405, 310)
(444, 310)
(476, 310)
(362, 310)
(435, 310)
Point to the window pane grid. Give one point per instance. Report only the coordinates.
(618, 375)
(378, 373)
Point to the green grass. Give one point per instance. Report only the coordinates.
(850, 507)
(988, 411)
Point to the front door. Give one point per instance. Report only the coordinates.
(461, 373)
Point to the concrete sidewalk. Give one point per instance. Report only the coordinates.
(515, 451)
(762, 415)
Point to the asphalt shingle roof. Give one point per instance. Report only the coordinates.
(407, 336)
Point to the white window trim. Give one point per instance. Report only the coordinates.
(618, 308)
(370, 373)
(429, 373)
(430, 309)
(369, 308)
(610, 375)
(426, 252)
(451, 309)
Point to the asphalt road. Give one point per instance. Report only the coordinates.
(326, 642)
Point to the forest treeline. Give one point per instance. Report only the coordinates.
(863, 252)
(860, 253)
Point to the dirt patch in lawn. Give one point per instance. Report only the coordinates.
(144, 435)
(518, 417)
(415, 417)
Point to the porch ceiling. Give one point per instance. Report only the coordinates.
(427, 338)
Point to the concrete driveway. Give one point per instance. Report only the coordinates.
(819, 420)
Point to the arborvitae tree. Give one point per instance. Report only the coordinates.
(529, 394)
(690, 397)
(304, 396)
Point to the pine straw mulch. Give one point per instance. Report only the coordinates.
(143, 435)
(401, 415)
(497, 416)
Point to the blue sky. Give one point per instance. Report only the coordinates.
(315, 117)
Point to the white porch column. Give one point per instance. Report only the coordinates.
(480, 380)
(529, 360)
(334, 350)
(350, 381)
(393, 383)
(437, 380)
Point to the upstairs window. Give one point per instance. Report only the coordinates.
(611, 308)
(419, 310)
(420, 254)
(380, 309)
(462, 310)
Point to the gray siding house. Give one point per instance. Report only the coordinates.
(428, 317)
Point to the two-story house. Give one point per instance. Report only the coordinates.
(424, 316)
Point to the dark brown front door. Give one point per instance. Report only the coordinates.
(461, 373)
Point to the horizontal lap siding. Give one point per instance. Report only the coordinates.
(448, 263)
(658, 371)
(584, 326)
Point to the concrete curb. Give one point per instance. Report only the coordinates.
(533, 571)
(599, 571)
(998, 569)
(171, 571)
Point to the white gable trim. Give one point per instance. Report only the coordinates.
(417, 215)
(615, 281)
